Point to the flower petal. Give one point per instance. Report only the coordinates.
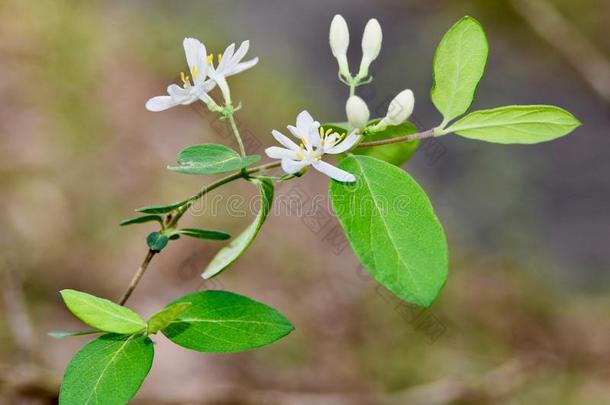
(333, 172)
(241, 51)
(240, 67)
(285, 141)
(180, 95)
(275, 152)
(293, 166)
(227, 59)
(344, 145)
(196, 57)
(160, 103)
(304, 121)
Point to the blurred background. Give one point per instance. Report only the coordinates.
(524, 318)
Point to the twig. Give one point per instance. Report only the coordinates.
(407, 138)
(571, 43)
(138, 276)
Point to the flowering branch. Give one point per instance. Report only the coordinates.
(407, 138)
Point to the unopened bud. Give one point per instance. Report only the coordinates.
(339, 42)
(371, 45)
(400, 109)
(357, 112)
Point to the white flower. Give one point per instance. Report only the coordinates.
(357, 112)
(339, 42)
(195, 86)
(314, 143)
(400, 109)
(371, 45)
(230, 64)
(190, 92)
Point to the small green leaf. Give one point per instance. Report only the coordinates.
(459, 64)
(107, 371)
(221, 322)
(209, 234)
(157, 241)
(229, 254)
(391, 226)
(161, 209)
(61, 335)
(102, 314)
(211, 159)
(396, 153)
(163, 318)
(141, 220)
(516, 124)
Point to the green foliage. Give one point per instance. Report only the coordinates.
(157, 241)
(142, 219)
(161, 209)
(516, 124)
(391, 226)
(107, 371)
(61, 335)
(219, 321)
(211, 159)
(395, 153)
(163, 318)
(229, 254)
(209, 234)
(459, 64)
(102, 314)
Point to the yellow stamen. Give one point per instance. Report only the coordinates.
(300, 156)
(302, 145)
(211, 59)
(219, 58)
(321, 130)
(328, 132)
(194, 72)
(185, 78)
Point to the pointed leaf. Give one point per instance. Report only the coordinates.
(525, 124)
(141, 220)
(107, 371)
(162, 209)
(391, 226)
(163, 318)
(211, 159)
(459, 64)
(208, 234)
(102, 314)
(220, 322)
(228, 255)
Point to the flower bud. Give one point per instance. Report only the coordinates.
(357, 112)
(400, 109)
(371, 45)
(339, 42)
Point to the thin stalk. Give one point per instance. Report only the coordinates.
(138, 276)
(236, 133)
(407, 138)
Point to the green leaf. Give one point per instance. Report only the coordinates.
(229, 254)
(209, 234)
(391, 226)
(107, 371)
(211, 158)
(396, 153)
(102, 314)
(163, 318)
(61, 335)
(221, 322)
(162, 209)
(157, 241)
(459, 64)
(141, 220)
(516, 124)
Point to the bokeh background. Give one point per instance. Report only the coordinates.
(524, 318)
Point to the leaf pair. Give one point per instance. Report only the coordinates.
(459, 64)
(111, 368)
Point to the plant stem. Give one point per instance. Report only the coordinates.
(138, 276)
(236, 133)
(172, 221)
(407, 138)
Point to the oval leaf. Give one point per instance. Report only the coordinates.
(102, 314)
(163, 318)
(157, 241)
(107, 371)
(228, 255)
(391, 226)
(459, 64)
(525, 124)
(211, 159)
(396, 153)
(220, 322)
(208, 234)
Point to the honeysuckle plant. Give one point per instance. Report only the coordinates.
(387, 217)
